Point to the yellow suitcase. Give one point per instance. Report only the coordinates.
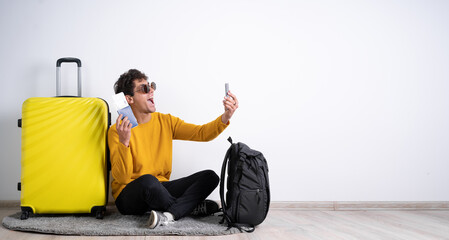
(64, 166)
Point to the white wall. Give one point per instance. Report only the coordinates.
(348, 100)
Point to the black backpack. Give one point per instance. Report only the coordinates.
(248, 189)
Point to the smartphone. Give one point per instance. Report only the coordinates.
(226, 89)
(123, 108)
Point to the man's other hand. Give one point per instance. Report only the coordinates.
(124, 130)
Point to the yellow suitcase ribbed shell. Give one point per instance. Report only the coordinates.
(64, 162)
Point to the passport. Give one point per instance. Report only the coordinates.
(123, 108)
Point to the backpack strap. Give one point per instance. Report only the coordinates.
(265, 172)
(222, 179)
(243, 227)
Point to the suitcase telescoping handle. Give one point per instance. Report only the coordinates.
(58, 73)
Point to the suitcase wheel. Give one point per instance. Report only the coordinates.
(98, 212)
(24, 216)
(25, 213)
(99, 215)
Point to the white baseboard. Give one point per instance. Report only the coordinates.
(9, 203)
(361, 205)
(327, 205)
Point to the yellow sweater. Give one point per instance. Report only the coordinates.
(150, 147)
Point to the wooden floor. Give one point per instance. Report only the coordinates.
(306, 224)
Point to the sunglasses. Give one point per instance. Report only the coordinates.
(145, 88)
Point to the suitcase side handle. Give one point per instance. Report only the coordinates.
(58, 73)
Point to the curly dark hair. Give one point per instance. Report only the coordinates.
(125, 83)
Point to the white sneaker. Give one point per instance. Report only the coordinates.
(158, 219)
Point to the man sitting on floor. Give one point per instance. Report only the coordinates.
(141, 157)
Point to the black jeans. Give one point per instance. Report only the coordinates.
(178, 197)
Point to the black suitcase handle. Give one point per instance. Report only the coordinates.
(69, 60)
(58, 73)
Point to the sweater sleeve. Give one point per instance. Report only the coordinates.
(121, 158)
(192, 132)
